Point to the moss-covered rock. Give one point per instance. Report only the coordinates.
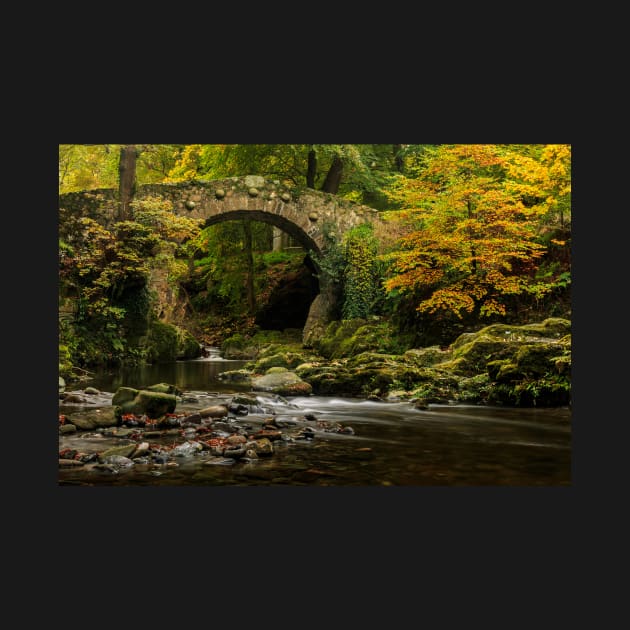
(152, 404)
(286, 359)
(94, 418)
(425, 357)
(239, 347)
(167, 342)
(162, 342)
(187, 346)
(276, 370)
(243, 377)
(284, 383)
(123, 395)
(537, 359)
(473, 389)
(499, 364)
(350, 337)
(337, 332)
(164, 388)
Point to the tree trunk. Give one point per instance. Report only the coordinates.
(312, 168)
(333, 177)
(249, 256)
(398, 159)
(127, 180)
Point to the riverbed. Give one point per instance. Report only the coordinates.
(386, 443)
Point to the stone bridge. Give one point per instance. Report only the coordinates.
(304, 214)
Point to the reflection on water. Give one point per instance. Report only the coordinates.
(197, 374)
(393, 443)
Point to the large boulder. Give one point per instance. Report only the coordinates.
(167, 342)
(280, 381)
(143, 402)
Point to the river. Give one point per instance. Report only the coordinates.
(392, 443)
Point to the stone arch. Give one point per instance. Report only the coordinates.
(301, 212)
(295, 231)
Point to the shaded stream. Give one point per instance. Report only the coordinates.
(393, 443)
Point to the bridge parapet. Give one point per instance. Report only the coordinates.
(301, 212)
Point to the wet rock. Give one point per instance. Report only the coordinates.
(123, 395)
(284, 383)
(238, 410)
(244, 399)
(117, 461)
(227, 427)
(87, 458)
(283, 422)
(91, 391)
(145, 402)
(267, 434)
(94, 418)
(305, 434)
(215, 411)
(164, 388)
(187, 449)
(263, 447)
(193, 418)
(120, 432)
(236, 439)
(71, 398)
(236, 376)
(152, 434)
(123, 451)
(67, 428)
(141, 449)
(234, 450)
(62, 385)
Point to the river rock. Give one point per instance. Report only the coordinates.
(123, 451)
(263, 447)
(164, 388)
(215, 411)
(283, 382)
(145, 402)
(94, 418)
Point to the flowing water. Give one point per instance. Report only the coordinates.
(392, 444)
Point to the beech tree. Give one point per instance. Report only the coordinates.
(471, 238)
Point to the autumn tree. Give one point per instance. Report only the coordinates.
(90, 166)
(472, 238)
(350, 170)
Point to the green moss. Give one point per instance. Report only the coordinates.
(537, 359)
(349, 337)
(276, 370)
(162, 342)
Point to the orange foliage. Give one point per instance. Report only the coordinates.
(466, 225)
